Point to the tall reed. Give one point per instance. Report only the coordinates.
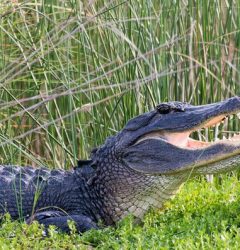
(73, 72)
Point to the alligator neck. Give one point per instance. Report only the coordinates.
(124, 191)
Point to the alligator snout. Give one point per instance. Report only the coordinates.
(166, 145)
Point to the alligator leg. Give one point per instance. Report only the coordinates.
(60, 220)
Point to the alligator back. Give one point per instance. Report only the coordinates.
(22, 189)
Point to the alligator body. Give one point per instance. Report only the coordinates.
(140, 167)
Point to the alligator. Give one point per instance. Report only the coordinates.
(139, 168)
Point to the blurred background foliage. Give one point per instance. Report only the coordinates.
(73, 72)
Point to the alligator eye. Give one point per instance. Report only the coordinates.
(165, 108)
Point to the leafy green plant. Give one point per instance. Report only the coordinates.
(202, 216)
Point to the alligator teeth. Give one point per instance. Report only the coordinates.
(216, 132)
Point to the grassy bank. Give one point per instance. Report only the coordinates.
(73, 72)
(202, 216)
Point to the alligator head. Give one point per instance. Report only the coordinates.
(146, 162)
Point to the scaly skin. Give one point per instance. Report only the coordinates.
(140, 167)
(41, 194)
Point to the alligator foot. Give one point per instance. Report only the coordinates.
(60, 220)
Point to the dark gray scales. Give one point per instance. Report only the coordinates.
(139, 168)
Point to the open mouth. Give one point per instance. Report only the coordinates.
(183, 139)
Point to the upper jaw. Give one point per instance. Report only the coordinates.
(196, 117)
(193, 119)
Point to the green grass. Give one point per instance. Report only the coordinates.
(74, 72)
(203, 216)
